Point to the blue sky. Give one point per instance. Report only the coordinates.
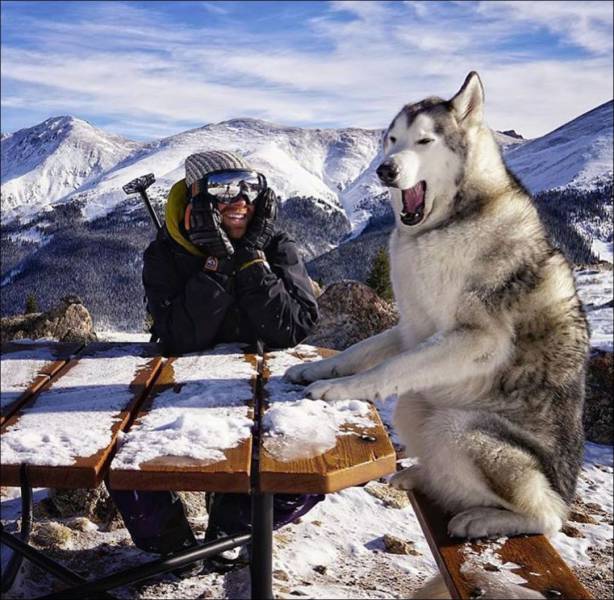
(150, 69)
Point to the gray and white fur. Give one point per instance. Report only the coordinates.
(488, 359)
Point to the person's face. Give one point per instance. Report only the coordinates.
(236, 217)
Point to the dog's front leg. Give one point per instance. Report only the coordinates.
(442, 360)
(356, 358)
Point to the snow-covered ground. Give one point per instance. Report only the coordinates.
(595, 287)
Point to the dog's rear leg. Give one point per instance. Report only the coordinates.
(528, 504)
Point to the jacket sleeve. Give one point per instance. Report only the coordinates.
(279, 301)
(187, 316)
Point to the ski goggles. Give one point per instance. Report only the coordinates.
(229, 185)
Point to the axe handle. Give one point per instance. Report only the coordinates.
(152, 213)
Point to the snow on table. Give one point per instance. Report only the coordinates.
(75, 415)
(297, 427)
(200, 416)
(23, 363)
(312, 446)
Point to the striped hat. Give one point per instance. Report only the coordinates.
(199, 164)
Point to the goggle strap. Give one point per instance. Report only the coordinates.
(195, 189)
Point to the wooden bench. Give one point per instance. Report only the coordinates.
(141, 385)
(532, 557)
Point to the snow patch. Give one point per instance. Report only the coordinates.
(203, 415)
(297, 427)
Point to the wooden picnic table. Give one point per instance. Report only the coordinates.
(143, 385)
(140, 385)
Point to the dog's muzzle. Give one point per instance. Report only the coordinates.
(388, 172)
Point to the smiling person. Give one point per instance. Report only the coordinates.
(219, 272)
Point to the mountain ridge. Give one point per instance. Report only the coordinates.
(90, 239)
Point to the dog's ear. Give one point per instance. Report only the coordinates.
(469, 101)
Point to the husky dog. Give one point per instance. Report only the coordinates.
(488, 359)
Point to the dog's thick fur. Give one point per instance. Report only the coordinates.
(488, 359)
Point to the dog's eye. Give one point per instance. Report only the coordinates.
(392, 139)
(424, 141)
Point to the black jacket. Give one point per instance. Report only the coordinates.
(194, 309)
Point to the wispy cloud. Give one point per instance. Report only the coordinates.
(339, 64)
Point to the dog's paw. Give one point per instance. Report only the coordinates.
(313, 371)
(328, 389)
(407, 479)
(296, 374)
(488, 522)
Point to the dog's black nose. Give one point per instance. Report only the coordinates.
(388, 171)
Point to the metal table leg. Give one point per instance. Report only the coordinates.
(12, 567)
(261, 559)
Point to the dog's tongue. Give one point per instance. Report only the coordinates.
(413, 204)
(413, 197)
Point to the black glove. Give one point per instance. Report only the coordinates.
(246, 256)
(260, 229)
(206, 229)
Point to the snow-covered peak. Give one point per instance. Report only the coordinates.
(577, 153)
(44, 163)
(317, 163)
(64, 157)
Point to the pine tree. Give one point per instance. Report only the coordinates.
(379, 277)
(31, 304)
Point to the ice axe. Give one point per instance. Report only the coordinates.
(140, 185)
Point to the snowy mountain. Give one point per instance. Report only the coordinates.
(43, 164)
(576, 154)
(63, 208)
(298, 162)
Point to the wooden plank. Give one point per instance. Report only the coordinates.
(360, 456)
(85, 471)
(229, 474)
(538, 562)
(52, 356)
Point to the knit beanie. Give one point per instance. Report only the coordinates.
(199, 164)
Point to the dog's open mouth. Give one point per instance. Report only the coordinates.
(413, 204)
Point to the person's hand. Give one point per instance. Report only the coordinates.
(206, 229)
(260, 229)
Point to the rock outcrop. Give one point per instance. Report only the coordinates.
(68, 322)
(350, 311)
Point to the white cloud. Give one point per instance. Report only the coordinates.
(131, 66)
(586, 24)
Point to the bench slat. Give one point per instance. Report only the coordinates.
(361, 456)
(56, 354)
(232, 473)
(539, 563)
(86, 471)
